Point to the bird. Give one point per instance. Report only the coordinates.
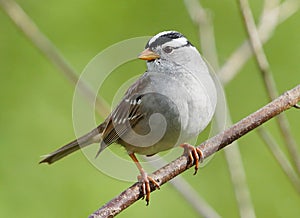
(171, 103)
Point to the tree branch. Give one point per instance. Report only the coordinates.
(210, 146)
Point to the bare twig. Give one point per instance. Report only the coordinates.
(209, 147)
(203, 20)
(239, 181)
(40, 41)
(269, 20)
(257, 48)
(280, 157)
(268, 79)
(289, 140)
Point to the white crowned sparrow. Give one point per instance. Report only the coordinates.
(171, 103)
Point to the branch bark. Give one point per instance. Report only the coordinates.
(210, 146)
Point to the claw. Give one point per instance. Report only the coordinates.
(195, 155)
(146, 188)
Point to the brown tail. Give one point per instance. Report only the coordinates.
(87, 139)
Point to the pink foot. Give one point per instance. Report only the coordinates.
(195, 155)
(146, 189)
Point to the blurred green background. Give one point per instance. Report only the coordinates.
(36, 109)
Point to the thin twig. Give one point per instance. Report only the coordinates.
(268, 79)
(257, 48)
(46, 47)
(209, 147)
(203, 20)
(239, 181)
(280, 157)
(269, 20)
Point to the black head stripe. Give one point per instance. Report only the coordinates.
(164, 38)
(173, 35)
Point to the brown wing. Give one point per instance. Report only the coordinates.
(125, 116)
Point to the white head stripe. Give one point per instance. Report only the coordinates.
(159, 35)
(177, 42)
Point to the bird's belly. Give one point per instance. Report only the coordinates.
(170, 120)
(161, 133)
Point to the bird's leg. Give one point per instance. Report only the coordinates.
(144, 179)
(195, 154)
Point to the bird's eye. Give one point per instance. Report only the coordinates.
(168, 49)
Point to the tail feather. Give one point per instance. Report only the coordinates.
(89, 138)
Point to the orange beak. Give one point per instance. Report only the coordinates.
(148, 55)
